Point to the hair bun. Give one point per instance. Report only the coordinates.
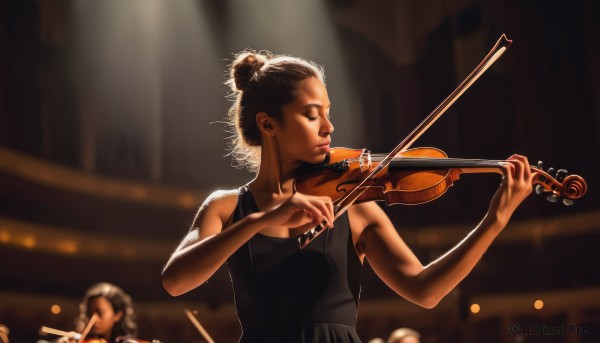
(244, 68)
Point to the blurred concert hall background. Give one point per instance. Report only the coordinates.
(110, 138)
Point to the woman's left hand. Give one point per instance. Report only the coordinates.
(516, 186)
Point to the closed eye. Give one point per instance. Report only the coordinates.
(311, 116)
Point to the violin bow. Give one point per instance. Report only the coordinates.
(347, 200)
(88, 327)
(198, 326)
(48, 330)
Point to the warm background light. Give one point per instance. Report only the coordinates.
(538, 304)
(4, 235)
(55, 309)
(475, 308)
(28, 242)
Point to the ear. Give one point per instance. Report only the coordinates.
(266, 123)
(118, 316)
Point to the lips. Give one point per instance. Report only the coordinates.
(324, 147)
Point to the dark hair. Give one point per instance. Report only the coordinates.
(119, 300)
(261, 82)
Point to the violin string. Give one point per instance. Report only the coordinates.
(440, 161)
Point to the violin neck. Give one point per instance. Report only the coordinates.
(465, 165)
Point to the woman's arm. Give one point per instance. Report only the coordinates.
(208, 245)
(398, 267)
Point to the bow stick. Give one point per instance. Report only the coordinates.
(48, 330)
(88, 327)
(198, 326)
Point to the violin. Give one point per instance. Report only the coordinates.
(413, 177)
(416, 176)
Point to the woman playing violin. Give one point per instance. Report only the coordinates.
(283, 293)
(114, 312)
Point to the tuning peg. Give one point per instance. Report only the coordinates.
(551, 171)
(552, 198)
(568, 202)
(540, 165)
(539, 189)
(561, 174)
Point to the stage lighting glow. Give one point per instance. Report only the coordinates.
(140, 192)
(55, 309)
(475, 308)
(187, 201)
(538, 304)
(4, 235)
(68, 247)
(28, 241)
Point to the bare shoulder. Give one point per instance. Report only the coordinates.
(219, 204)
(222, 197)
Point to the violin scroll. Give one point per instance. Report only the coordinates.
(560, 185)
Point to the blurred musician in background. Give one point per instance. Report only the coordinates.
(404, 335)
(114, 315)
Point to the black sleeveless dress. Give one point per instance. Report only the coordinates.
(284, 294)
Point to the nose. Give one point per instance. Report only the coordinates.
(326, 127)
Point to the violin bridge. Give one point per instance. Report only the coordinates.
(364, 160)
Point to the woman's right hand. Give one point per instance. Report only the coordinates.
(301, 210)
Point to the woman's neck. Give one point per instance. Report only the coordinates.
(275, 175)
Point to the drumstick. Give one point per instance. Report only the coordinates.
(198, 326)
